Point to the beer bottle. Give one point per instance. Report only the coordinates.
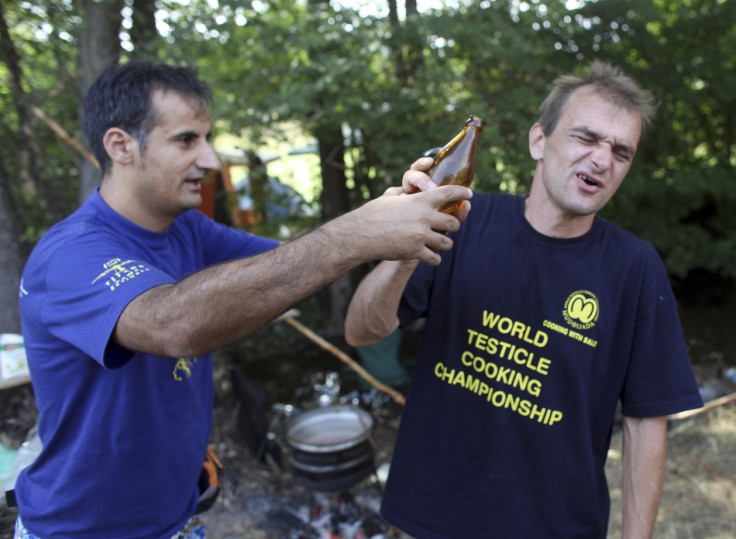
(454, 163)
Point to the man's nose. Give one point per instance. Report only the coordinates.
(208, 159)
(602, 156)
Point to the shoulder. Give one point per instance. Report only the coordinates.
(93, 229)
(623, 241)
(496, 199)
(625, 254)
(496, 202)
(493, 209)
(64, 234)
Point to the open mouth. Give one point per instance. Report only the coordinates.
(588, 180)
(194, 184)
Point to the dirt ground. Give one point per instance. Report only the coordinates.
(699, 498)
(263, 501)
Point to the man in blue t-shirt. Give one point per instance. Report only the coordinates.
(123, 302)
(539, 321)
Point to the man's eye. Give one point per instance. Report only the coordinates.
(586, 139)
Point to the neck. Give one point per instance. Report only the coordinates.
(124, 203)
(549, 219)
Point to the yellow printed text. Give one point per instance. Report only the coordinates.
(499, 399)
(521, 331)
(508, 351)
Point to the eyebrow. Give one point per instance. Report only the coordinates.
(190, 134)
(621, 148)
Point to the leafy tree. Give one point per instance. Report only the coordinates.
(34, 170)
(379, 91)
(680, 195)
(99, 48)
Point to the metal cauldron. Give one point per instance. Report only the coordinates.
(330, 448)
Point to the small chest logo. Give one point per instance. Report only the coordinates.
(581, 309)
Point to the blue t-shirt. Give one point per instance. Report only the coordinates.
(529, 343)
(124, 434)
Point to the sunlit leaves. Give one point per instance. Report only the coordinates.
(399, 90)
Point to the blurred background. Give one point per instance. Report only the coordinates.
(321, 105)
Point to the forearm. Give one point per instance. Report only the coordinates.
(221, 304)
(226, 302)
(372, 314)
(644, 458)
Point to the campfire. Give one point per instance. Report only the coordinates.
(328, 516)
(316, 469)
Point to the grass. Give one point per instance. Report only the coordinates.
(699, 497)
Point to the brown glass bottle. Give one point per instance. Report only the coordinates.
(454, 163)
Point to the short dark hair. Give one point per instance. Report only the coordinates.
(121, 97)
(608, 82)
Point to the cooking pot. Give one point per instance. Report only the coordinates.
(330, 448)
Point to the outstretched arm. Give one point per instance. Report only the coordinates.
(223, 303)
(372, 314)
(644, 456)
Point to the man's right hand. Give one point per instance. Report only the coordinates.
(416, 180)
(401, 226)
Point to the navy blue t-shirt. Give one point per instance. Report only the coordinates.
(529, 343)
(124, 434)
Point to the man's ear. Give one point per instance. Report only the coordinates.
(536, 141)
(120, 146)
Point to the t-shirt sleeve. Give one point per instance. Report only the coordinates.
(660, 380)
(415, 300)
(87, 287)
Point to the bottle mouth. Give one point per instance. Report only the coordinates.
(475, 121)
(432, 152)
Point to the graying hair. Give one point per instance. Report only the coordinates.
(607, 81)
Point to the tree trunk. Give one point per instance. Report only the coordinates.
(144, 34)
(12, 257)
(335, 201)
(405, 43)
(99, 48)
(26, 169)
(395, 43)
(28, 151)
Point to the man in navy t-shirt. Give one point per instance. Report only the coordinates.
(123, 302)
(538, 322)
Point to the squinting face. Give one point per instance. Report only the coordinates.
(586, 158)
(177, 154)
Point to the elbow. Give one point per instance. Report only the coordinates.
(174, 341)
(163, 339)
(353, 337)
(183, 350)
(364, 334)
(355, 340)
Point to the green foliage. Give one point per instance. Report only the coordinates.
(42, 38)
(494, 63)
(400, 89)
(680, 194)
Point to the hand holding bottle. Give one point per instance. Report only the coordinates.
(453, 164)
(416, 180)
